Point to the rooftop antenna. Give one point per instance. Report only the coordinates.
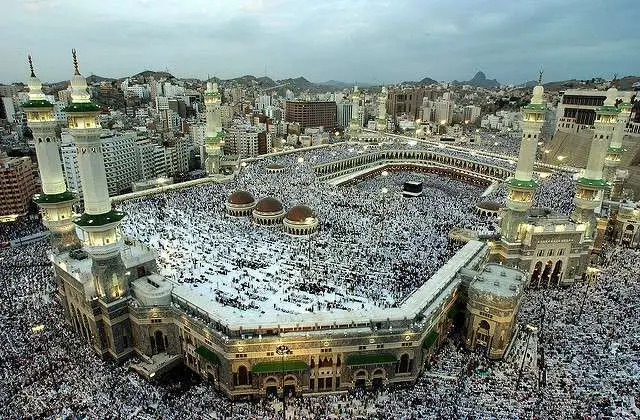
(75, 62)
(31, 66)
(540, 77)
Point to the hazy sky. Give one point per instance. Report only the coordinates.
(356, 40)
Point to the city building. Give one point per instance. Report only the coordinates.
(17, 185)
(405, 101)
(311, 114)
(471, 113)
(344, 111)
(577, 110)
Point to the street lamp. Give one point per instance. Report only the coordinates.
(282, 350)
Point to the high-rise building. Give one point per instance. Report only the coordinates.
(17, 185)
(247, 141)
(176, 156)
(471, 113)
(443, 111)
(311, 114)
(120, 162)
(405, 101)
(55, 202)
(344, 110)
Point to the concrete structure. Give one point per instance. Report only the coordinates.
(344, 110)
(311, 114)
(55, 202)
(17, 185)
(471, 113)
(121, 162)
(494, 298)
(407, 101)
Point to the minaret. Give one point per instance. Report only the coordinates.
(591, 185)
(55, 202)
(522, 185)
(355, 124)
(382, 110)
(98, 226)
(616, 149)
(214, 136)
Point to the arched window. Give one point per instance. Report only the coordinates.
(243, 376)
(403, 366)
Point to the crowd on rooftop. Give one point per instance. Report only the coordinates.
(587, 362)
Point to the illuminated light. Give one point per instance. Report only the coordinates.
(547, 151)
(540, 143)
(384, 190)
(561, 158)
(300, 159)
(384, 173)
(407, 337)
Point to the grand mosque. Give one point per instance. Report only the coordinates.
(115, 296)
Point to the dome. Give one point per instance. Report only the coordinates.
(300, 214)
(488, 205)
(269, 205)
(241, 197)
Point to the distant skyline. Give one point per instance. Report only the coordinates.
(371, 41)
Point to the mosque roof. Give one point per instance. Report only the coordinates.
(300, 214)
(241, 197)
(269, 205)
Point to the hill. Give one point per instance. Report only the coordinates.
(479, 80)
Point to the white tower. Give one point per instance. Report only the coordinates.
(55, 202)
(522, 185)
(355, 124)
(99, 225)
(381, 124)
(616, 149)
(591, 185)
(214, 136)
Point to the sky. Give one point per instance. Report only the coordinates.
(372, 41)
